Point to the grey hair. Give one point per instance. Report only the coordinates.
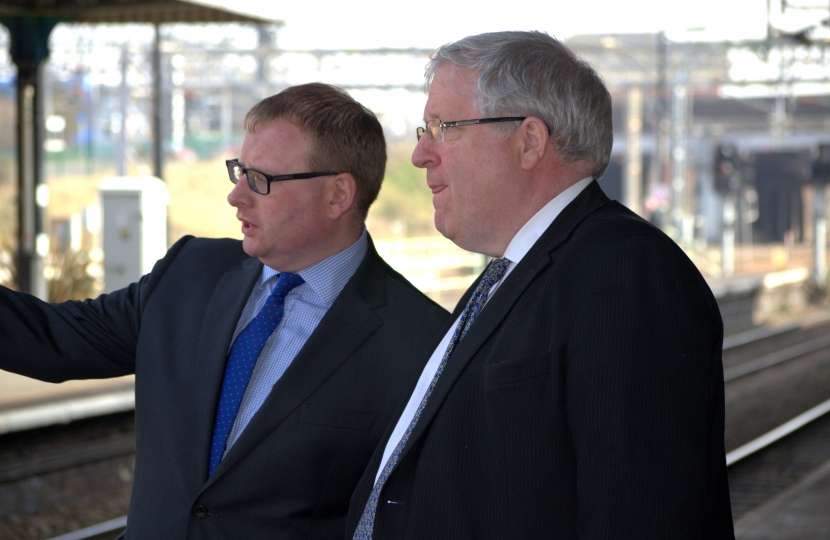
(534, 74)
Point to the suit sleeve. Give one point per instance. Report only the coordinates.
(76, 339)
(645, 395)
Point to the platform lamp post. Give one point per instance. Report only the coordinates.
(727, 182)
(821, 177)
(28, 49)
(633, 175)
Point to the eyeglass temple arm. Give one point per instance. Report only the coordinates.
(485, 121)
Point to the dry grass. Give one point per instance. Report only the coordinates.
(69, 195)
(197, 198)
(8, 226)
(404, 206)
(199, 206)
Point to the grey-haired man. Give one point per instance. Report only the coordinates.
(579, 392)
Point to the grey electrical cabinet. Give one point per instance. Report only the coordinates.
(134, 227)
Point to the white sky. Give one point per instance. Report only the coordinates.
(360, 24)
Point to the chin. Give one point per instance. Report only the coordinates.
(463, 239)
(448, 233)
(250, 247)
(440, 223)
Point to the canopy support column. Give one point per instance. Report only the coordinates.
(29, 48)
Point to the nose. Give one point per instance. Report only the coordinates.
(424, 153)
(240, 193)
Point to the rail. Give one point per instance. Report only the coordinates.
(777, 434)
(100, 531)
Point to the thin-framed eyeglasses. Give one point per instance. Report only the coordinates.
(261, 182)
(434, 129)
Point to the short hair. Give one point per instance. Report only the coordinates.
(346, 136)
(534, 74)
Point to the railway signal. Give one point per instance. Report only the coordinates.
(727, 177)
(821, 165)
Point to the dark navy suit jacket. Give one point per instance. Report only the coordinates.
(292, 471)
(586, 401)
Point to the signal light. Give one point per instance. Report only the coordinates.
(727, 177)
(821, 165)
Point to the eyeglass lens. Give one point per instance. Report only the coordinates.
(434, 131)
(256, 180)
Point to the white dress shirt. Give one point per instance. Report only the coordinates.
(516, 250)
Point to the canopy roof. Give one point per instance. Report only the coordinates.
(30, 23)
(124, 11)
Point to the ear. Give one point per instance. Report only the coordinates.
(533, 138)
(341, 195)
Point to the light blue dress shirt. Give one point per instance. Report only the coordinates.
(305, 307)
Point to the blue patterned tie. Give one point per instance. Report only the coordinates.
(241, 362)
(492, 276)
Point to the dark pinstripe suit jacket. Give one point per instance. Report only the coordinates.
(292, 470)
(585, 402)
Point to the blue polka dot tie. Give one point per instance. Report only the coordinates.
(241, 362)
(492, 276)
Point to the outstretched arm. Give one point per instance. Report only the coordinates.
(76, 339)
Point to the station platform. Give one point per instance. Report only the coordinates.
(27, 403)
(755, 300)
(799, 513)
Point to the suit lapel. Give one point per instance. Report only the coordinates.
(508, 293)
(223, 312)
(348, 323)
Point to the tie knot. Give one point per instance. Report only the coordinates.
(495, 272)
(285, 283)
(479, 297)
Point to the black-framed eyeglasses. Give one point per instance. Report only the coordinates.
(434, 129)
(261, 182)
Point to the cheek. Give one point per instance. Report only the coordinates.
(296, 208)
(464, 195)
(274, 216)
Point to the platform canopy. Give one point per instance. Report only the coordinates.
(123, 11)
(29, 23)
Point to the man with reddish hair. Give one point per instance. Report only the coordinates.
(266, 369)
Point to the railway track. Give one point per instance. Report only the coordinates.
(777, 386)
(761, 348)
(108, 530)
(778, 466)
(770, 449)
(61, 478)
(772, 375)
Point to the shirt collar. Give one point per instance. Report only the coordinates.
(541, 220)
(328, 277)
